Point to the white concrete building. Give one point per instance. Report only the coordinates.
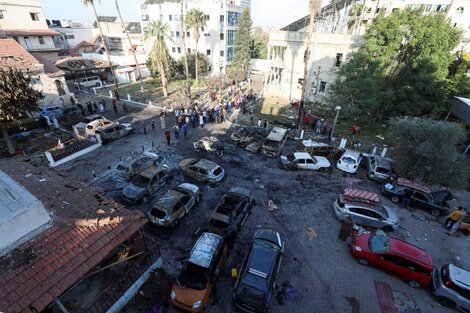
(23, 21)
(216, 41)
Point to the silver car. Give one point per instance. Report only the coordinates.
(451, 287)
(362, 213)
(379, 168)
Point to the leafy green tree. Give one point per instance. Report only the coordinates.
(175, 69)
(259, 44)
(203, 64)
(159, 54)
(429, 150)
(400, 68)
(459, 81)
(241, 49)
(196, 20)
(17, 96)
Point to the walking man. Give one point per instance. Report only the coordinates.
(177, 131)
(125, 108)
(454, 217)
(346, 228)
(201, 120)
(114, 103)
(167, 135)
(162, 121)
(153, 127)
(259, 122)
(185, 130)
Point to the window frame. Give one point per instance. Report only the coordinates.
(34, 16)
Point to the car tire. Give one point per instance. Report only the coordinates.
(243, 145)
(444, 301)
(395, 199)
(414, 284)
(363, 261)
(436, 212)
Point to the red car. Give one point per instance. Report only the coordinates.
(405, 260)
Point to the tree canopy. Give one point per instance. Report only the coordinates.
(400, 68)
(241, 50)
(196, 20)
(259, 44)
(430, 151)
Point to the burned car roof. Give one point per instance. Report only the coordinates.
(168, 200)
(204, 249)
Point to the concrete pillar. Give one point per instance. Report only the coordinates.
(129, 97)
(56, 122)
(110, 94)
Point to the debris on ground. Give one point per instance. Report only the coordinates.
(287, 293)
(271, 206)
(310, 232)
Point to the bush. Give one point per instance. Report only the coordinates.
(236, 74)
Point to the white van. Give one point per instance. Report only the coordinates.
(92, 81)
(274, 143)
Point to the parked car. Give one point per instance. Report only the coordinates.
(50, 110)
(202, 170)
(196, 280)
(92, 81)
(244, 135)
(304, 161)
(144, 185)
(231, 212)
(365, 208)
(451, 287)
(349, 161)
(93, 117)
(256, 283)
(174, 204)
(412, 264)
(91, 127)
(420, 195)
(275, 142)
(113, 132)
(379, 168)
(136, 163)
(256, 143)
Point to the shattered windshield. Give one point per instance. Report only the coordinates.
(194, 276)
(141, 181)
(379, 244)
(348, 160)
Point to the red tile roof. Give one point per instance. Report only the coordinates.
(49, 66)
(30, 32)
(86, 228)
(13, 55)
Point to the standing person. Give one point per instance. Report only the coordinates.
(177, 131)
(153, 127)
(186, 119)
(185, 130)
(72, 100)
(125, 108)
(265, 124)
(346, 228)
(251, 118)
(180, 119)
(95, 107)
(117, 95)
(259, 122)
(115, 108)
(167, 135)
(101, 108)
(103, 103)
(89, 107)
(201, 120)
(307, 120)
(162, 121)
(454, 217)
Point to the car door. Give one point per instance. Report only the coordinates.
(162, 177)
(420, 200)
(178, 210)
(202, 174)
(310, 164)
(301, 164)
(187, 202)
(193, 172)
(362, 216)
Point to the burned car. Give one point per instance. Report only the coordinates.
(256, 143)
(231, 212)
(175, 203)
(144, 185)
(213, 144)
(202, 170)
(114, 131)
(245, 135)
(135, 163)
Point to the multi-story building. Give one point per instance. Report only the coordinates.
(23, 21)
(216, 40)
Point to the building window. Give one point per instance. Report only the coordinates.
(229, 54)
(189, 50)
(175, 17)
(187, 34)
(179, 50)
(230, 37)
(172, 34)
(71, 36)
(161, 18)
(222, 18)
(170, 17)
(339, 59)
(173, 49)
(1, 15)
(177, 34)
(41, 40)
(459, 11)
(207, 35)
(221, 36)
(145, 17)
(322, 87)
(221, 53)
(208, 52)
(233, 18)
(34, 16)
(207, 17)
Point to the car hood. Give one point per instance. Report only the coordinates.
(133, 192)
(187, 295)
(240, 191)
(183, 164)
(322, 161)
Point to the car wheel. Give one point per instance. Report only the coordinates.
(414, 284)
(436, 212)
(363, 261)
(444, 301)
(395, 199)
(243, 145)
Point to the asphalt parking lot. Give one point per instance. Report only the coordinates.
(316, 263)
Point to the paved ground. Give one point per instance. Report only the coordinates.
(319, 267)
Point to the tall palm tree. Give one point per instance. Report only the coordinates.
(159, 55)
(196, 20)
(130, 44)
(91, 3)
(183, 37)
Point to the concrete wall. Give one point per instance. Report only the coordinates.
(32, 43)
(259, 65)
(17, 15)
(79, 35)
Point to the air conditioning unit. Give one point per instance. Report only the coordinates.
(313, 90)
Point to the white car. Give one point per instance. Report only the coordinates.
(349, 161)
(94, 125)
(304, 161)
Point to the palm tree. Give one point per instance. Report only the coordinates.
(91, 3)
(159, 55)
(183, 34)
(130, 44)
(196, 20)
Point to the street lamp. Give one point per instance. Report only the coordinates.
(337, 109)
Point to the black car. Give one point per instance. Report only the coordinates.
(420, 196)
(231, 212)
(255, 287)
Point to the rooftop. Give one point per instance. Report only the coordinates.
(13, 55)
(49, 67)
(204, 249)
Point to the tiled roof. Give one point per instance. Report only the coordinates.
(13, 55)
(49, 66)
(30, 32)
(86, 228)
(80, 63)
